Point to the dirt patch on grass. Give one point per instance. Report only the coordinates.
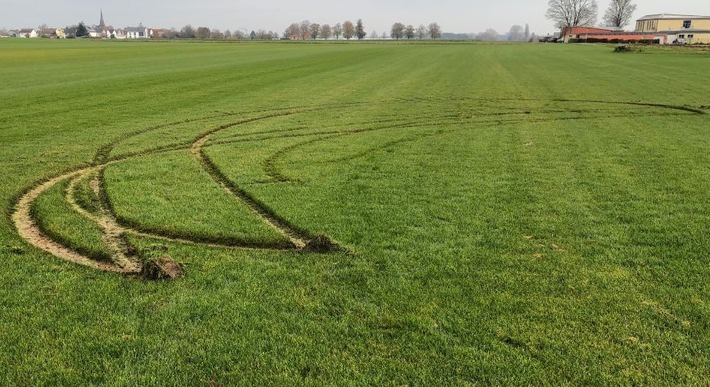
(162, 268)
(321, 244)
(28, 229)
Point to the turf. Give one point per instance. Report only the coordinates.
(56, 218)
(512, 214)
(170, 195)
(85, 197)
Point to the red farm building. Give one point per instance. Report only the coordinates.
(601, 34)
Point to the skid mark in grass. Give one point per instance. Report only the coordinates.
(688, 109)
(84, 195)
(467, 112)
(122, 253)
(104, 153)
(28, 229)
(297, 237)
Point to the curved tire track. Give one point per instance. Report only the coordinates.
(124, 263)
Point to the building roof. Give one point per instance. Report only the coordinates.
(140, 28)
(672, 16)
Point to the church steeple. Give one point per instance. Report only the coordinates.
(101, 23)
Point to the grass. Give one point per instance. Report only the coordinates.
(85, 196)
(170, 195)
(514, 214)
(56, 218)
(169, 135)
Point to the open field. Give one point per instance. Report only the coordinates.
(503, 214)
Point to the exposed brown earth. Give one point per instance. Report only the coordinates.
(126, 260)
(28, 229)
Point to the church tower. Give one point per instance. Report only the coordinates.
(101, 23)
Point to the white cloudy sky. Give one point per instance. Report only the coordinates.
(378, 15)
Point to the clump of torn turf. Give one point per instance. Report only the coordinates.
(321, 244)
(163, 268)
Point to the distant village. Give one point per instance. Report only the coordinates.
(101, 30)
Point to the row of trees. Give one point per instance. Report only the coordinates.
(400, 31)
(306, 30)
(189, 32)
(570, 13)
(517, 33)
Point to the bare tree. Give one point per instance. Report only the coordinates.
(348, 30)
(373, 35)
(397, 31)
(187, 32)
(325, 31)
(619, 13)
(409, 32)
(434, 31)
(360, 30)
(216, 34)
(570, 13)
(203, 33)
(314, 29)
(337, 30)
(421, 32)
(516, 34)
(527, 31)
(305, 29)
(293, 31)
(490, 35)
(239, 34)
(270, 35)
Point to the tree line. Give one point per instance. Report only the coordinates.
(306, 30)
(205, 33)
(400, 31)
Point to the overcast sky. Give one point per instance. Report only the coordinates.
(276, 15)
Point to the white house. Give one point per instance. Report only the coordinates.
(27, 33)
(115, 34)
(139, 32)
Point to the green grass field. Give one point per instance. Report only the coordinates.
(506, 214)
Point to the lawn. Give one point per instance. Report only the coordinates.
(504, 214)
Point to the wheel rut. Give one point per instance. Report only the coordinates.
(30, 231)
(125, 260)
(298, 239)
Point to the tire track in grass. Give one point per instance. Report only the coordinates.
(28, 229)
(297, 238)
(113, 234)
(275, 175)
(126, 262)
